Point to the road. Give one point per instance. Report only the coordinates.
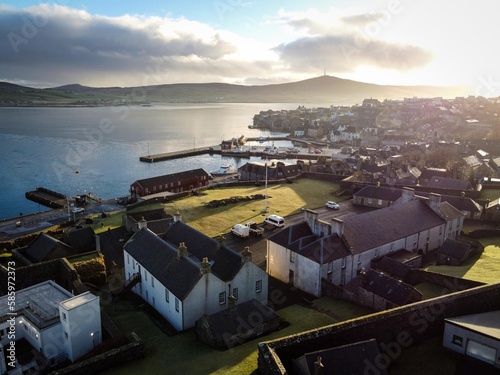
(23, 225)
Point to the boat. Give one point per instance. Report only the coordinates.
(225, 170)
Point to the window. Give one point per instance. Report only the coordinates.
(330, 267)
(292, 256)
(66, 335)
(342, 279)
(133, 265)
(258, 286)
(64, 316)
(392, 247)
(235, 293)
(359, 259)
(152, 281)
(147, 296)
(457, 340)
(176, 305)
(167, 296)
(145, 275)
(380, 202)
(343, 262)
(222, 298)
(128, 259)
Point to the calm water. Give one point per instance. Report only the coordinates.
(45, 146)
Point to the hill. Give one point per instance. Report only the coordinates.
(324, 89)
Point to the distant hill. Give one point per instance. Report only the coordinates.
(324, 89)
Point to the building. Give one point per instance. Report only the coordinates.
(376, 196)
(476, 335)
(455, 252)
(492, 210)
(170, 183)
(270, 170)
(185, 274)
(380, 292)
(50, 324)
(45, 247)
(336, 251)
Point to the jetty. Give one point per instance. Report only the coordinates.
(180, 154)
(47, 198)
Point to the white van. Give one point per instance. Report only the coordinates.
(275, 220)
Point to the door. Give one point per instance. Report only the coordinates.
(291, 275)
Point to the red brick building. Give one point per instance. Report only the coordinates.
(173, 183)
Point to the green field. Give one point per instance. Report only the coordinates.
(184, 354)
(285, 199)
(484, 268)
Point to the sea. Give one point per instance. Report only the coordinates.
(81, 150)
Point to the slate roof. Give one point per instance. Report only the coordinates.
(389, 288)
(393, 267)
(82, 239)
(493, 203)
(159, 258)
(173, 177)
(42, 245)
(455, 249)
(325, 249)
(460, 203)
(376, 228)
(341, 360)
(290, 234)
(379, 192)
(449, 211)
(487, 323)
(229, 321)
(448, 183)
(197, 243)
(428, 173)
(226, 264)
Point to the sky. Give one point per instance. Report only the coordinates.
(251, 42)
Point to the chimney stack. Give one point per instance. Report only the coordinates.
(337, 226)
(434, 201)
(181, 250)
(246, 255)
(177, 217)
(204, 266)
(142, 223)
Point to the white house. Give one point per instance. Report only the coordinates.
(336, 251)
(50, 323)
(476, 335)
(186, 274)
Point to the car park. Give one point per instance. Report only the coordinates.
(332, 204)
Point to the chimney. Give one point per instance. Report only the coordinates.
(378, 184)
(177, 217)
(337, 226)
(408, 194)
(462, 194)
(246, 255)
(434, 201)
(318, 367)
(204, 266)
(221, 241)
(142, 223)
(310, 217)
(97, 243)
(181, 250)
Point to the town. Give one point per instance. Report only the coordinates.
(386, 260)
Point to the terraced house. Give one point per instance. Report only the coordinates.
(337, 251)
(185, 274)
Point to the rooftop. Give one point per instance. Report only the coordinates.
(487, 323)
(78, 300)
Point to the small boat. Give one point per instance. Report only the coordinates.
(77, 171)
(225, 170)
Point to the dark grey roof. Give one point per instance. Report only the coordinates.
(448, 183)
(389, 288)
(379, 192)
(173, 177)
(42, 245)
(392, 267)
(82, 239)
(376, 228)
(325, 249)
(226, 264)
(197, 243)
(428, 173)
(290, 234)
(454, 248)
(460, 203)
(342, 360)
(229, 321)
(178, 275)
(449, 211)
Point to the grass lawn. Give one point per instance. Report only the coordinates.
(283, 200)
(484, 268)
(490, 194)
(430, 290)
(341, 310)
(184, 354)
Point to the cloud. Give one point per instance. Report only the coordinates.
(57, 44)
(343, 42)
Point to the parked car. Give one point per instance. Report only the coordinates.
(275, 220)
(332, 204)
(77, 210)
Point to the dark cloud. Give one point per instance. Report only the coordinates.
(58, 44)
(344, 53)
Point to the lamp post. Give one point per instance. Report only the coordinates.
(266, 208)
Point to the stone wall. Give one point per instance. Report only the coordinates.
(396, 328)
